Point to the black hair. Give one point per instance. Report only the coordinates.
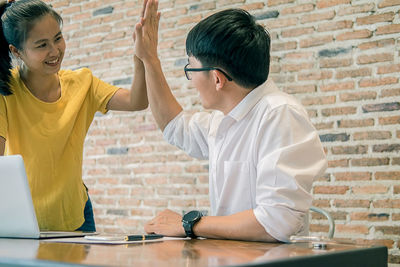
(232, 40)
(17, 20)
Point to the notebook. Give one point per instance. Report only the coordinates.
(18, 218)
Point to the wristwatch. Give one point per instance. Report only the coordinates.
(189, 220)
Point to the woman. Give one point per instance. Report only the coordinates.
(45, 112)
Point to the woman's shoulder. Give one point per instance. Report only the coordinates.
(77, 73)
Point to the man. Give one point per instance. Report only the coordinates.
(262, 148)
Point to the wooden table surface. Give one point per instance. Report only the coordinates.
(207, 252)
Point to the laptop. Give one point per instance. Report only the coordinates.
(17, 214)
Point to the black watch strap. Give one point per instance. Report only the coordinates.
(189, 220)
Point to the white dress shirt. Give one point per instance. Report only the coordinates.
(263, 155)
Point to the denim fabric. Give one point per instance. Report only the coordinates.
(89, 224)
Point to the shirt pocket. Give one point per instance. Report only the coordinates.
(237, 194)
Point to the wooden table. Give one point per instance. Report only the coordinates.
(207, 252)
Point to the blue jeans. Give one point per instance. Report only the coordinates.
(88, 225)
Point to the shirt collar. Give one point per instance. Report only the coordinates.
(251, 99)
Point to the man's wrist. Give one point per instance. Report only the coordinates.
(189, 220)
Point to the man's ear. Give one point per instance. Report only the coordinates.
(14, 51)
(219, 79)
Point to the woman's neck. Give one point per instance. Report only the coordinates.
(45, 87)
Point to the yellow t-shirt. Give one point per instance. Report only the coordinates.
(50, 138)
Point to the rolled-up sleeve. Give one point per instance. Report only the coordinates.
(190, 133)
(290, 157)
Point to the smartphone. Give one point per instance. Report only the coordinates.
(105, 237)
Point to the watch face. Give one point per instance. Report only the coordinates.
(192, 216)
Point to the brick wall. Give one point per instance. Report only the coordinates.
(340, 58)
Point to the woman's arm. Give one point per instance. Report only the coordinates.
(2, 145)
(134, 99)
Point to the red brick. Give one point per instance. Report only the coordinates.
(372, 135)
(253, 6)
(319, 228)
(281, 23)
(367, 82)
(229, 2)
(393, 175)
(377, 44)
(396, 161)
(387, 203)
(117, 191)
(323, 125)
(335, 25)
(370, 189)
(163, 203)
(386, 3)
(360, 149)
(70, 10)
(388, 29)
(175, 12)
(389, 120)
(363, 8)
(330, 3)
(298, 55)
(312, 17)
(330, 189)
(358, 72)
(368, 59)
(297, 67)
(372, 19)
(396, 189)
(318, 100)
(351, 229)
(352, 203)
(352, 176)
(357, 96)
(355, 123)
(281, 46)
(299, 89)
(389, 69)
(189, 19)
(338, 163)
(173, 33)
(297, 9)
(367, 216)
(321, 203)
(185, 203)
(337, 86)
(335, 62)
(370, 162)
(279, 2)
(203, 7)
(315, 75)
(297, 32)
(357, 34)
(338, 111)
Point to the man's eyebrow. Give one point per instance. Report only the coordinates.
(43, 40)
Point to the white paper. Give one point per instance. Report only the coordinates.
(82, 240)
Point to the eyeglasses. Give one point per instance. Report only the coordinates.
(189, 76)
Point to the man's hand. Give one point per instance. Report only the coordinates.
(146, 31)
(166, 223)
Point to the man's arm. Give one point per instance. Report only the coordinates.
(239, 226)
(2, 145)
(162, 102)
